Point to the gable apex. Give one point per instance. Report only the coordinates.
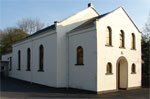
(90, 7)
(131, 19)
(120, 8)
(127, 16)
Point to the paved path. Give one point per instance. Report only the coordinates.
(12, 88)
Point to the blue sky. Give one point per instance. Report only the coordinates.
(49, 11)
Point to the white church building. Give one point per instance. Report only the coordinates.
(86, 51)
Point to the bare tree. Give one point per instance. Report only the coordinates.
(29, 25)
(146, 48)
(1, 31)
(147, 29)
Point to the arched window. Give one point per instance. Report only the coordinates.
(28, 59)
(10, 63)
(133, 69)
(122, 39)
(19, 60)
(41, 58)
(109, 68)
(132, 41)
(109, 36)
(79, 55)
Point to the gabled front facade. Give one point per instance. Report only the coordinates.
(120, 53)
(85, 51)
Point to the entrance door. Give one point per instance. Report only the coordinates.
(122, 74)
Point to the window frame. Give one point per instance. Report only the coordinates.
(28, 60)
(122, 39)
(19, 60)
(109, 69)
(79, 56)
(41, 58)
(133, 43)
(133, 69)
(109, 37)
(10, 63)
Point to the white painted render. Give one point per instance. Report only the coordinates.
(6, 56)
(117, 20)
(60, 69)
(83, 76)
(48, 77)
(62, 28)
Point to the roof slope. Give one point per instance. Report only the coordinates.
(90, 21)
(52, 27)
(131, 20)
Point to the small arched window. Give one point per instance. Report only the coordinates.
(19, 60)
(109, 68)
(79, 55)
(28, 59)
(122, 38)
(133, 69)
(41, 58)
(109, 36)
(132, 41)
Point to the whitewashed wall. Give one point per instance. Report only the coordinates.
(48, 77)
(83, 76)
(5, 57)
(62, 28)
(117, 20)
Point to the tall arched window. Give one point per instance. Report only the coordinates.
(28, 59)
(41, 58)
(132, 41)
(122, 38)
(109, 68)
(19, 60)
(133, 69)
(79, 55)
(10, 63)
(109, 36)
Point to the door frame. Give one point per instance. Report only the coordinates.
(118, 72)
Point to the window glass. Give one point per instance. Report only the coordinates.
(80, 55)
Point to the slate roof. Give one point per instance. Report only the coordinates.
(101, 16)
(89, 22)
(52, 27)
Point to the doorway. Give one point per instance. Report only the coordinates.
(122, 73)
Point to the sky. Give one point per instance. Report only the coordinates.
(48, 11)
